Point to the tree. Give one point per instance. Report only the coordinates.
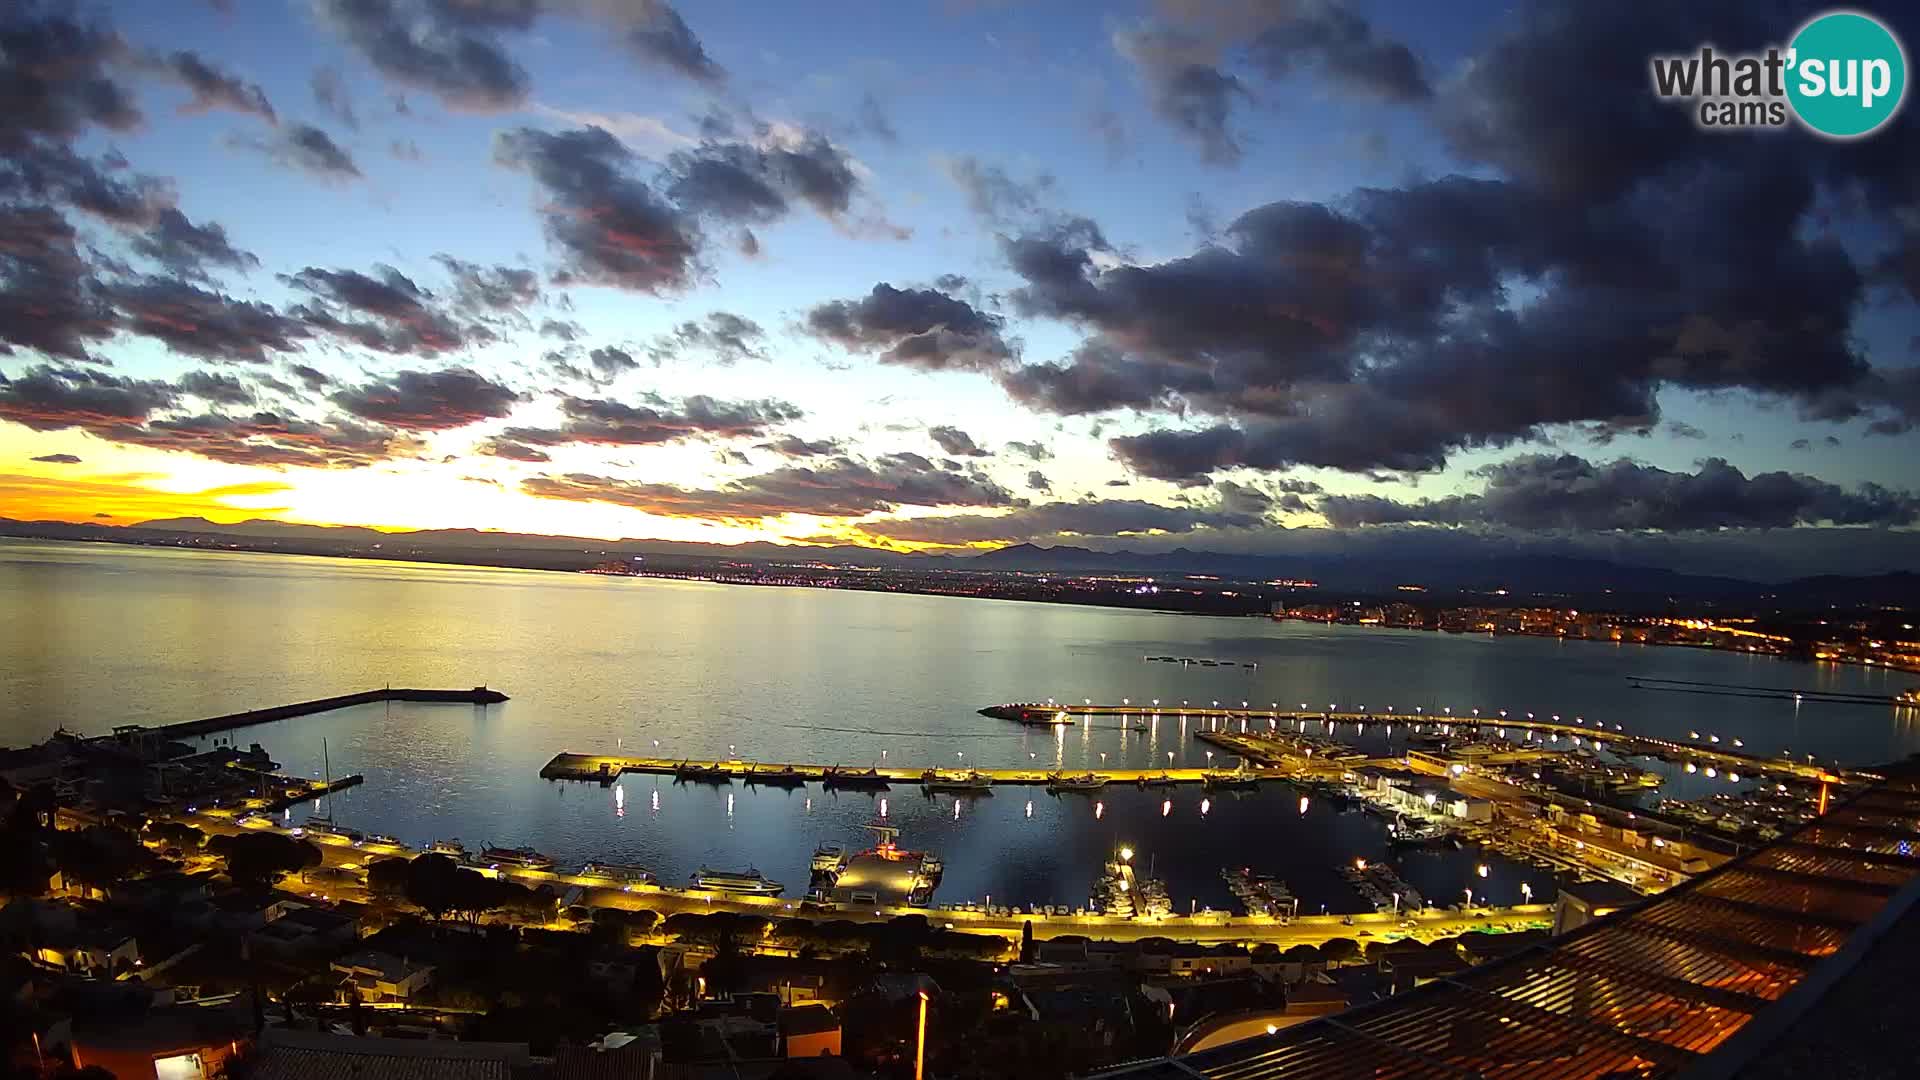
(388, 877)
(1026, 942)
(1339, 950)
(98, 856)
(178, 834)
(261, 858)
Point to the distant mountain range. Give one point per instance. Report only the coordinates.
(1377, 569)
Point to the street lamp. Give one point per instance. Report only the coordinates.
(1526, 893)
(1126, 854)
(920, 1041)
(1481, 869)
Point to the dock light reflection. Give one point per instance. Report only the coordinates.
(619, 802)
(1166, 807)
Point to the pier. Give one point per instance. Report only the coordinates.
(1601, 736)
(479, 695)
(605, 768)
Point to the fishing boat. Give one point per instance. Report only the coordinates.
(748, 882)
(451, 848)
(836, 777)
(318, 825)
(785, 776)
(688, 772)
(828, 858)
(382, 838)
(1057, 782)
(970, 781)
(1162, 780)
(523, 857)
(1240, 777)
(635, 875)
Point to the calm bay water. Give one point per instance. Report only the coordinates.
(97, 636)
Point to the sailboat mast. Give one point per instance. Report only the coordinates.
(326, 765)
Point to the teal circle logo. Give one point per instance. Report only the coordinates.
(1847, 74)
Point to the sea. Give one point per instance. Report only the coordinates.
(98, 635)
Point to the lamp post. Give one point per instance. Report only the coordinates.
(920, 1041)
(1526, 893)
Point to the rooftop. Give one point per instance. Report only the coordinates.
(306, 1055)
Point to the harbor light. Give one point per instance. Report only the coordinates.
(1156, 703)
(1691, 767)
(1303, 804)
(1126, 854)
(1431, 800)
(1710, 772)
(1526, 893)
(1126, 701)
(1481, 869)
(1272, 1029)
(1169, 759)
(1166, 807)
(1733, 777)
(1205, 805)
(1209, 757)
(1360, 864)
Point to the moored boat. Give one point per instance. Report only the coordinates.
(785, 776)
(451, 848)
(523, 857)
(619, 872)
(749, 882)
(689, 772)
(836, 777)
(970, 781)
(1057, 782)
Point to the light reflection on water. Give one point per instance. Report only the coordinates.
(687, 670)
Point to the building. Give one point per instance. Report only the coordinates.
(307, 1055)
(1579, 903)
(808, 1031)
(181, 1042)
(382, 977)
(96, 951)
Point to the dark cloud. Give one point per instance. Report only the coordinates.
(915, 328)
(726, 337)
(428, 400)
(1062, 521)
(203, 322)
(611, 362)
(264, 438)
(304, 147)
(564, 329)
(1548, 492)
(188, 250)
(449, 50)
(215, 388)
(657, 34)
(481, 290)
(405, 150)
(55, 76)
(995, 196)
(956, 442)
(312, 378)
(57, 459)
(211, 87)
(405, 317)
(330, 93)
(872, 119)
(48, 301)
(608, 226)
(843, 487)
(513, 451)
(1037, 481)
(1186, 86)
(50, 398)
(1341, 46)
(1033, 451)
(752, 183)
(1378, 332)
(606, 422)
(796, 447)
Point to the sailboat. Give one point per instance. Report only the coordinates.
(324, 824)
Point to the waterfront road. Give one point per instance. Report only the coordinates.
(346, 864)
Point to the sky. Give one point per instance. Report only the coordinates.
(1268, 275)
